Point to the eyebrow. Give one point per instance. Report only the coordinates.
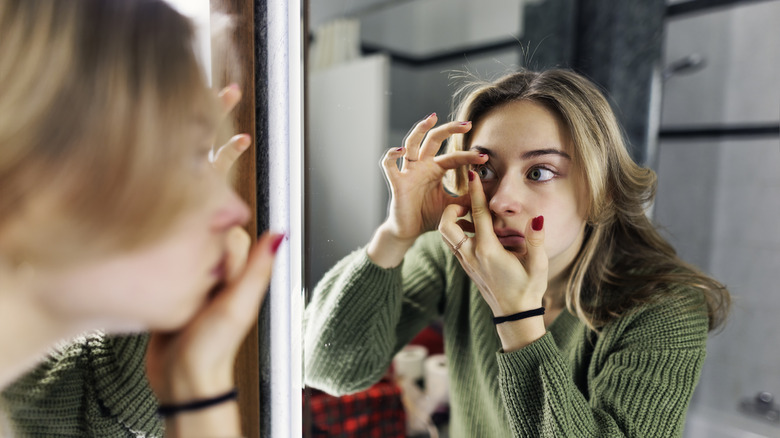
(528, 155)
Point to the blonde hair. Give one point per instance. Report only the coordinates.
(102, 109)
(624, 262)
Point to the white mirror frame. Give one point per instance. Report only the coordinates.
(285, 163)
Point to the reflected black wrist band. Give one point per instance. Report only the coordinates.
(517, 316)
(169, 410)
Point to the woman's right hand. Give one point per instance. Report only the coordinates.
(417, 196)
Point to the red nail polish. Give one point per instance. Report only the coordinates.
(471, 175)
(430, 115)
(537, 223)
(399, 149)
(483, 155)
(276, 243)
(465, 123)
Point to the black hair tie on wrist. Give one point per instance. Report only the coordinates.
(169, 410)
(518, 316)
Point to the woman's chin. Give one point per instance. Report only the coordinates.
(182, 314)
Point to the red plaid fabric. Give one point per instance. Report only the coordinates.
(375, 412)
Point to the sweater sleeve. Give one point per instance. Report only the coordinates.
(361, 314)
(639, 384)
(93, 385)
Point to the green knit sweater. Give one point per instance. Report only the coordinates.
(633, 379)
(94, 386)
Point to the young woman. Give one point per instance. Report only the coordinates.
(112, 217)
(565, 312)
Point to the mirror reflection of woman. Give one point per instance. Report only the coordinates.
(113, 217)
(564, 312)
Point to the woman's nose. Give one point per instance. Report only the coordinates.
(233, 211)
(506, 199)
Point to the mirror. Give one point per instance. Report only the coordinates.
(268, 177)
(694, 83)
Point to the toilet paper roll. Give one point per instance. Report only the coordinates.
(409, 362)
(436, 379)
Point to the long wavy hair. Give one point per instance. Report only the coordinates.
(623, 262)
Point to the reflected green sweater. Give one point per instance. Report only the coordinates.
(94, 386)
(633, 379)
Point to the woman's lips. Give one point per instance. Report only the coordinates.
(510, 237)
(512, 241)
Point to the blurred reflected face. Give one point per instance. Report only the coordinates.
(529, 173)
(161, 285)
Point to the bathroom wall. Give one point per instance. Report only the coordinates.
(718, 163)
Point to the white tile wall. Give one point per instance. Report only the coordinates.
(743, 223)
(721, 200)
(740, 83)
(687, 172)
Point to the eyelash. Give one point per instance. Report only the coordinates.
(555, 174)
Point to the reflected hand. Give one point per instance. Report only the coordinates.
(418, 197)
(226, 155)
(507, 285)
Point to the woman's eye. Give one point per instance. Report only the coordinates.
(484, 173)
(540, 174)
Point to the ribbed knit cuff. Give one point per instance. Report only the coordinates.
(373, 282)
(528, 358)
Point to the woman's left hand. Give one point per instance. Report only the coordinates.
(507, 285)
(227, 154)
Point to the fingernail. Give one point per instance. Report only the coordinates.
(430, 115)
(277, 242)
(465, 123)
(537, 223)
(234, 86)
(483, 155)
(471, 177)
(399, 149)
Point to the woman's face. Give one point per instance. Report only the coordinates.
(160, 285)
(530, 173)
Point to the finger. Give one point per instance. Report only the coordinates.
(228, 153)
(466, 226)
(390, 162)
(251, 286)
(449, 229)
(453, 160)
(436, 137)
(229, 98)
(536, 261)
(480, 213)
(415, 136)
(238, 243)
